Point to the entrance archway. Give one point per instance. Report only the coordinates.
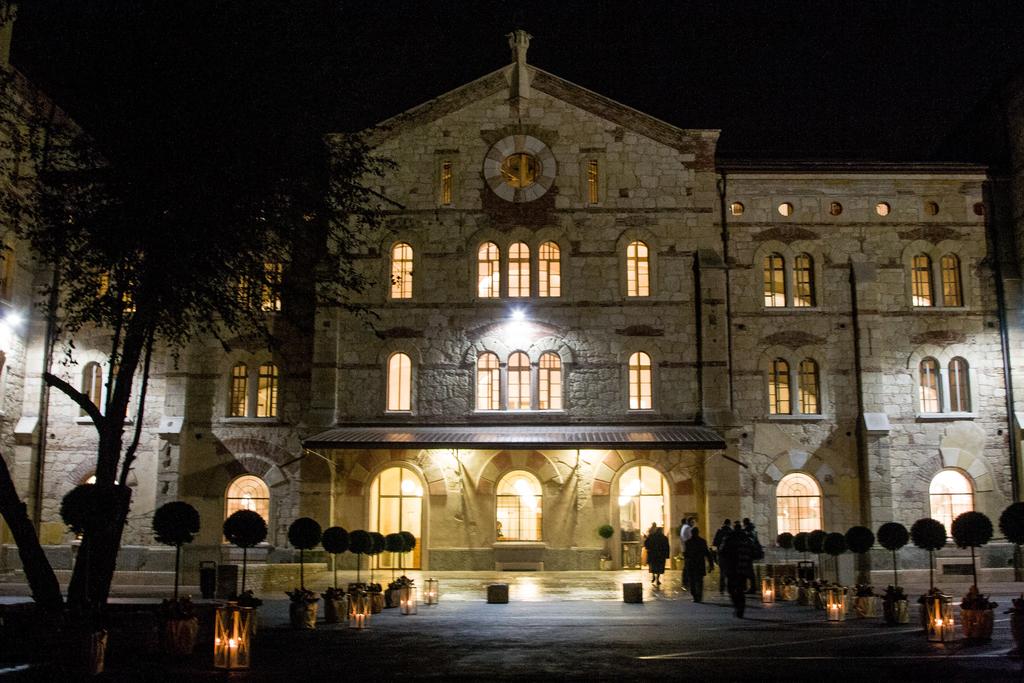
(642, 500)
(396, 504)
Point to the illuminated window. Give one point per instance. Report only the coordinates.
(952, 293)
(778, 388)
(549, 382)
(488, 382)
(92, 385)
(248, 493)
(593, 195)
(798, 504)
(446, 183)
(488, 278)
(774, 281)
(951, 495)
(959, 386)
(785, 209)
(520, 170)
(803, 280)
(882, 209)
(519, 381)
(549, 263)
(809, 388)
(931, 400)
(637, 270)
(519, 270)
(396, 504)
(640, 381)
(7, 273)
(239, 390)
(921, 280)
(266, 391)
(736, 208)
(126, 297)
(399, 382)
(270, 290)
(401, 271)
(519, 508)
(835, 209)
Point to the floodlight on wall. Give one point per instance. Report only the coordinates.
(517, 314)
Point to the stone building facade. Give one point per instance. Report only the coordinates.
(580, 316)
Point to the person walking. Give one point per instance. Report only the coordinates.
(736, 562)
(695, 553)
(757, 553)
(717, 542)
(656, 546)
(684, 535)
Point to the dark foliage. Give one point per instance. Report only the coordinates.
(972, 530)
(605, 531)
(928, 534)
(816, 541)
(893, 536)
(175, 523)
(785, 540)
(393, 543)
(359, 542)
(245, 529)
(859, 539)
(335, 540)
(834, 544)
(88, 505)
(304, 533)
(1011, 523)
(800, 542)
(408, 541)
(376, 543)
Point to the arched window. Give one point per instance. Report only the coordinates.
(643, 501)
(778, 388)
(396, 504)
(921, 280)
(401, 271)
(928, 382)
(92, 385)
(519, 381)
(951, 495)
(549, 382)
(248, 492)
(266, 391)
(488, 382)
(959, 386)
(549, 265)
(239, 390)
(803, 281)
(488, 279)
(952, 292)
(809, 388)
(399, 382)
(638, 279)
(774, 281)
(798, 504)
(519, 270)
(640, 381)
(519, 508)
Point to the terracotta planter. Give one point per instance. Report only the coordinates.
(977, 623)
(895, 612)
(303, 614)
(335, 610)
(179, 636)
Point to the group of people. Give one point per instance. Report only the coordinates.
(735, 545)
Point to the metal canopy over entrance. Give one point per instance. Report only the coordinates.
(637, 437)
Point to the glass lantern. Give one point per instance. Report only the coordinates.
(407, 599)
(359, 610)
(232, 627)
(941, 626)
(431, 592)
(835, 604)
(768, 590)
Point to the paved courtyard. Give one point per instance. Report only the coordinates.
(574, 625)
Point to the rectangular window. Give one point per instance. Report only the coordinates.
(778, 388)
(803, 279)
(446, 183)
(266, 391)
(929, 384)
(952, 293)
(774, 281)
(638, 277)
(593, 193)
(239, 390)
(549, 382)
(488, 278)
(488, 383)
(519, 270)
(549, 263)
(809, 404)
(921, 280)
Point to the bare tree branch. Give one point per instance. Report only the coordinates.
(78, 397)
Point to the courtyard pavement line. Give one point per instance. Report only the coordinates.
(682, 655)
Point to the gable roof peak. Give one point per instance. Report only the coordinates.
(519, 85)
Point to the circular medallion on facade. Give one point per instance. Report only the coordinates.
(519, 168)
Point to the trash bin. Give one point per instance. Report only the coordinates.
(227, 581)
(805, 570)
(208, 579)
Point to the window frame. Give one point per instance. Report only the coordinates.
(640, 375)
(488, 267)
(971, 492)
(638, 269)
(254, 376)
(518, 391)
(515, 501)
(402, 390)
(549, 270)
(818, 496)
(265, 488)
(402, 272)
(493, 384)
(521, 271)
(549, 377)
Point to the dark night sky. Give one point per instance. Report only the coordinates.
(883, 80)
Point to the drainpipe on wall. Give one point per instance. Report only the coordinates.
(722, 186)
(863, 561)
(698, 310)
(44, 403)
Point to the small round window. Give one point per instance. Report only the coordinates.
(785, 209)
(835, 208)
(882, 209)
(520, 170)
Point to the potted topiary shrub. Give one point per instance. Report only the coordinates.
(605, 531)
(334, 541)
(304, 534)
(359, 543)
(393, 544)
(892, 536)
(376, 592)
(860, 539)
(176, 524)
(408, 543)
(785, 541)
(816, 545)
(835, 545)
(973, 530)
(245, 529)
(1011, 523)
(928, 534)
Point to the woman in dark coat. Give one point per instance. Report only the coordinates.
(695, 553)
(657, 552)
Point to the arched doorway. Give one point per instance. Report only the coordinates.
(643, 500)
(396, 504)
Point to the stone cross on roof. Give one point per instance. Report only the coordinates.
(519, 85)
